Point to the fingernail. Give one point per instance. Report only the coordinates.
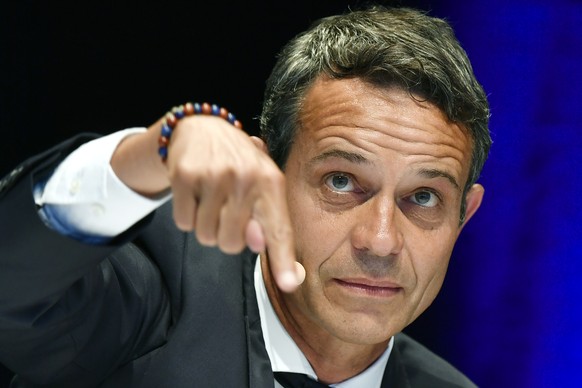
(300, 270)
(288, 281)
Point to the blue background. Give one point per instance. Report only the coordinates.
(516, 272)
(509, 314)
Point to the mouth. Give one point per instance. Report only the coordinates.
(369, 287)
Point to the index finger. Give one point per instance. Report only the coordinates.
(272, 215)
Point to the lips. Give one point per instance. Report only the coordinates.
(369, 286)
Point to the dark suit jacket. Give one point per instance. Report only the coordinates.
(151, 309)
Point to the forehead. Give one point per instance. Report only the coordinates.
(380, 123)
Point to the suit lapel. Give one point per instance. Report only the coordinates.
(260, 371)
(395, 375)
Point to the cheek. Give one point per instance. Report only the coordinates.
(317, 234)
(430, 267)
(304, 219)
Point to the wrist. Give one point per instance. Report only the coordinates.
(171, 119)
(137, 164)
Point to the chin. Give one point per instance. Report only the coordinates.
(366, 331)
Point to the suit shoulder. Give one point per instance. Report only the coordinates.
(425, 367)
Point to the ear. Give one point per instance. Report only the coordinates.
(473, 201)
(260, 144)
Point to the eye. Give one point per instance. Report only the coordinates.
(425, 198)
(340, 182)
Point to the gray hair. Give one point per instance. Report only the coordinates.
(387, 47)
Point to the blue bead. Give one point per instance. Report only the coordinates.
(166, 131)
(179, 113)
(215, 110)
(163, 151)
(197, 108)
(230, 118)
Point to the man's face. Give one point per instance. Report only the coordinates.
(374, 185)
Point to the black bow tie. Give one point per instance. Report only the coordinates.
(297, 380)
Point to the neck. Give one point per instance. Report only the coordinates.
(332, 359)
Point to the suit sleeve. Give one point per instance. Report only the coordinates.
(71, 313)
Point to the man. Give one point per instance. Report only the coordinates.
(374, 133)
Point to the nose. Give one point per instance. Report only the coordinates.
(377, 231)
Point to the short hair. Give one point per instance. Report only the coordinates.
(387, 47)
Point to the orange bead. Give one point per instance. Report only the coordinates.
(188, 109)
(206, 108)
(171, 120)
(223, 113)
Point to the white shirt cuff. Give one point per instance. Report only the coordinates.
(85, 194)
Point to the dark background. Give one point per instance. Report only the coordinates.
(509, 312)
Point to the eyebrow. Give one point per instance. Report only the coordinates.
(360, 159)
(349, 156)
(435, 173)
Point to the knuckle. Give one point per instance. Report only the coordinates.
(230, 235)
(183, 171)
(184, 226)
(209, 178)
(217, 174)
(183, 223)
(206, 238)
(226, 173)
(231, 246)
(274, 178)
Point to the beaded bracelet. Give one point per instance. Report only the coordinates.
(189, 109)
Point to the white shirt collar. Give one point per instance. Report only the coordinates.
(285, 355)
